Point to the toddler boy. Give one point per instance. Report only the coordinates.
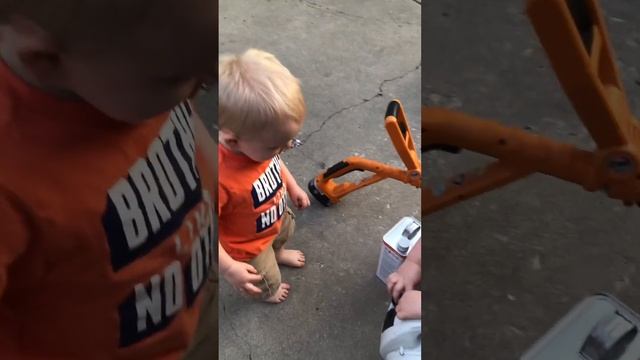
(260, 111)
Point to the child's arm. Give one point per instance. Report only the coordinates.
(239, 274)
(296, 193)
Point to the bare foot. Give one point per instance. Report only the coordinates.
(280, 295)
(293, 258)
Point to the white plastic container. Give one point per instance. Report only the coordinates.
(400, 339)
(396, 244)
(599, 328)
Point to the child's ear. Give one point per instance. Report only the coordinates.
(37, 52)
(228, 138)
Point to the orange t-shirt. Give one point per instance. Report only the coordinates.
(106, 230)
(252, 199)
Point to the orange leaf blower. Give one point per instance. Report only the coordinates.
(324, 186)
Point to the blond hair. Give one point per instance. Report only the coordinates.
(255, 92)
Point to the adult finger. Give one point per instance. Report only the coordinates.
(390, 283)
(397, 292)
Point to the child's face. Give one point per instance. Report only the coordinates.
(264, 146)
(164, 62)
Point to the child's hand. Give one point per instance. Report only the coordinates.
(410, 305)
(242, 276)
(299, 197)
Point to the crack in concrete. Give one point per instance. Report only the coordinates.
(330, 10)
(380, 93)
(318, 163)
(347, 15)
(234, 331)
(419, 2)
(399, 22)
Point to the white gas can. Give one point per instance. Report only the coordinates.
(396, 244)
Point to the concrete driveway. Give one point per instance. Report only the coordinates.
(353, 57)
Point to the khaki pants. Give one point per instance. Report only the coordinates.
(266, 263)
(204, 345)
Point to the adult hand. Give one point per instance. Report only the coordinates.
(405, 278)
(396, 285)
(411, 273)
(410, 305)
